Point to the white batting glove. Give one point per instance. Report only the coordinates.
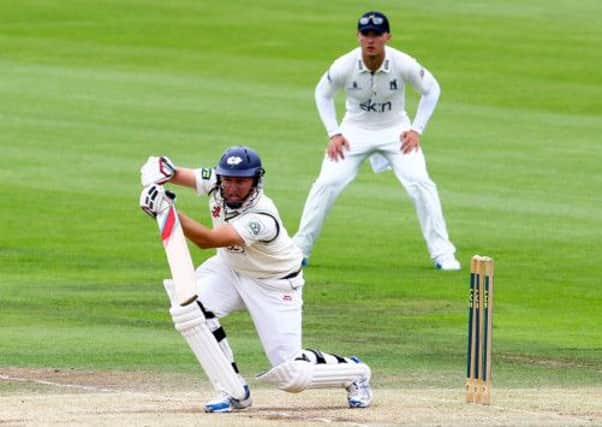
(157, 170)
(154, 199)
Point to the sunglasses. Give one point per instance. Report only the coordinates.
(376, 20)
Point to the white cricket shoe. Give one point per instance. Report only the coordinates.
(226, 403)
(447, 263)
(359, 393)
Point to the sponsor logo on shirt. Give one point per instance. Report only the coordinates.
(216, 211)
(205, 173)
(376, 107)
(354, 86)
(393, 84)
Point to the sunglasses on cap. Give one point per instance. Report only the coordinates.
(376, 20)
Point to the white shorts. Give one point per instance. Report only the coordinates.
(275, 305)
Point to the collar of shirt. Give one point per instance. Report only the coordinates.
(385, 67)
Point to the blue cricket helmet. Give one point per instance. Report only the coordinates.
(240, 161)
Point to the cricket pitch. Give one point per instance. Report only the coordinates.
(75, 397)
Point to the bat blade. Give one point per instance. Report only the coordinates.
(178, 256)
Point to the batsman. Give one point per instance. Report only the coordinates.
(256, 267)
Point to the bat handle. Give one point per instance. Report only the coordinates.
(189, 301)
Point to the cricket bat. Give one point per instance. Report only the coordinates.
(178, 256)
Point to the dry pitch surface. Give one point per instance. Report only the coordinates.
(37, 397)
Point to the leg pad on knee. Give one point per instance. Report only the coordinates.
(301, 374)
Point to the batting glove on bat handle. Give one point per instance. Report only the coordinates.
(154, 199)
(171, 195)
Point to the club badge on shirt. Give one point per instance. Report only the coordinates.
(255, 227)
(205, 173)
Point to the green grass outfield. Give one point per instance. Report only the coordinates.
(89, 89)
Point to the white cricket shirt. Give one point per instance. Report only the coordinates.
(376, 99)
(269, 252)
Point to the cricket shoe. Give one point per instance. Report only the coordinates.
(359, 393)
(447, 263)
(226, 403)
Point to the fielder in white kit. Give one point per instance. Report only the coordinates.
(374, 77)
(257, 267)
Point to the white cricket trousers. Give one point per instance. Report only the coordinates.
(275, 305)
(410, 170)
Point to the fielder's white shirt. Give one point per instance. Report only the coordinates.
(375, 100)
(269, 252)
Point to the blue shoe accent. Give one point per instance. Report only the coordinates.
(217, 407)
(356, 404)
(226, 403)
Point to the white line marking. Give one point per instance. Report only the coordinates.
(93, 388)
(51, 383)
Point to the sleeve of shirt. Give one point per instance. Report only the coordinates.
(254, 227)
(327, 87)
(426, 106)
(205, 180)
(424, 83)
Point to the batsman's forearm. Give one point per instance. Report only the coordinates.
(195, 232)
(184, 177)
(206, 238)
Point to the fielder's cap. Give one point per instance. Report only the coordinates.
(373, 21)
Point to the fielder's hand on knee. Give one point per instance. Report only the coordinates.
(157, 170)
(410, 141)
(154, 199)
(336, 148)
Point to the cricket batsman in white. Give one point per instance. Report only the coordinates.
(257, 267)
(374, 77)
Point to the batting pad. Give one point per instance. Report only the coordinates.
(297, 375)
(191, 323)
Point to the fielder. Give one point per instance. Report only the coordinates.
(376, 125)
(257, 267)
